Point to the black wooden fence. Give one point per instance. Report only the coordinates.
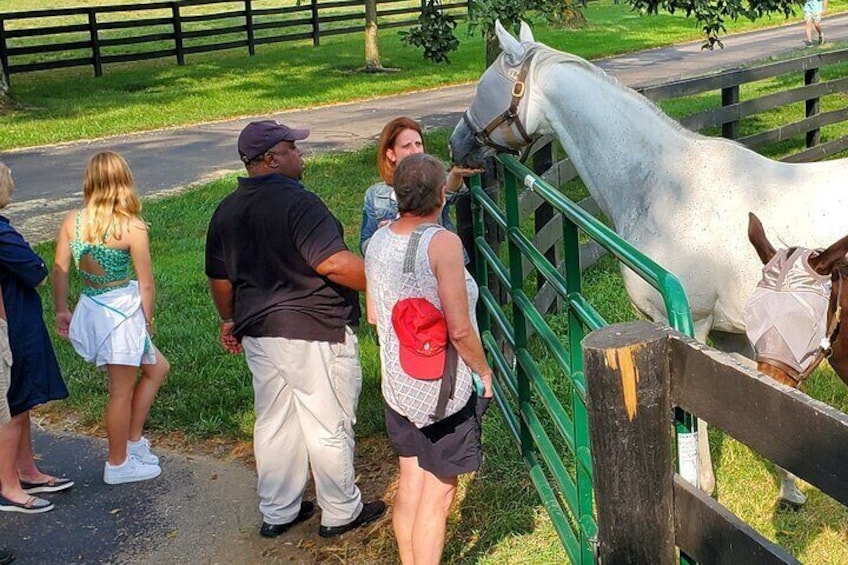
(636, 373)
(802, 84)
(95, 36)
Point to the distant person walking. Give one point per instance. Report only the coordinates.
(813, 12)
(112, 324)
(286, 288)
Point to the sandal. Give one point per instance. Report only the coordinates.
(33, 505)
(53, 484)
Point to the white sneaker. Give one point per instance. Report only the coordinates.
(141, 450)
(130, 471)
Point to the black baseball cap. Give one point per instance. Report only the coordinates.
(258, 137)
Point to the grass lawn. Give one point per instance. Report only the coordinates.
(71, 104)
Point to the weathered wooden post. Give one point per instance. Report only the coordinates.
(94, 41)
(629, 404)
(812, 106)
(177, 24)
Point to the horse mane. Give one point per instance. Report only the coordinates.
(548, 56)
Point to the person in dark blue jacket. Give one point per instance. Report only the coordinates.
(35, 376)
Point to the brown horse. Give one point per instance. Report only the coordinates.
(826, 269)
(797, 317)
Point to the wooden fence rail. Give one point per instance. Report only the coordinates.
(805, 85)
(44, 39)
(635, 373)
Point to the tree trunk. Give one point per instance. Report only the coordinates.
(493, 48)
(372, 48)
(4, 86)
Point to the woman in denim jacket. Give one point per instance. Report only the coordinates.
(400, 137)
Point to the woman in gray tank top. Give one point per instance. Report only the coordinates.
(432, 418)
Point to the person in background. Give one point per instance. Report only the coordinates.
(400, 137)
(417, 285)
(813, 12)
(34, 376)
(112, 324)
(286, 288)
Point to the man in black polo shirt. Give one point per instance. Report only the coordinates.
(286, 288)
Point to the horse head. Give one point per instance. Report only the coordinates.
(498, 119)
(794, 316)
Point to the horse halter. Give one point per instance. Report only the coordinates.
(509, 118)
(785, 317)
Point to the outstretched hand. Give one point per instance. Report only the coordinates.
(457, 173)
(230, 342)
(465, 171)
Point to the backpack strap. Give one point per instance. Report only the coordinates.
(449, 374)
(412, 248)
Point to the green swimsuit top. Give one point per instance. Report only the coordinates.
(115, 263)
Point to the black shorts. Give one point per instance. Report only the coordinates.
(448, 448)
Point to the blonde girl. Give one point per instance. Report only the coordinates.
(112, 324)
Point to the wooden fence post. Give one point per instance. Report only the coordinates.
(729, 96)
(543, 160)
(248, 20)
(178, 32)
(95, 42)
(316, 32)
(811, 76)
(4, 56)
(629, 404)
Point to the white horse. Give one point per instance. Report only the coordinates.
(679, 197)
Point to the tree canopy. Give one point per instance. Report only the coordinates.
(711, 15)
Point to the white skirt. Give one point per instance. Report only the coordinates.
(110, 329)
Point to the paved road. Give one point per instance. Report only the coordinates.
(48, 178)
(203, 510)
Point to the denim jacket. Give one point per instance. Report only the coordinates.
(380, 205)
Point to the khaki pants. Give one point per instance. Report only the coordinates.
(305, 394)
(5, 371)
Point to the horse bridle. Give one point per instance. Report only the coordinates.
(822, 352)
(508, 117)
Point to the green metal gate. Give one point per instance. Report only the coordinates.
(514, 334)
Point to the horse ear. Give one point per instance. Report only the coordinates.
(824, 262)
(509, 44)
(526, 34)
(757, 237)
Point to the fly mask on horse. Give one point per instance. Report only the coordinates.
(505, 132)
(793, 317)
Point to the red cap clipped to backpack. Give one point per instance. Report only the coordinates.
(423, 334)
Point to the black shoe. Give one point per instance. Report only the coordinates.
(6, 556)
(273, 530)
(370, 512)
